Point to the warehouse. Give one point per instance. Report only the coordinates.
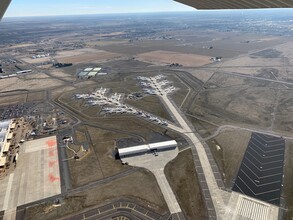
(148, 148)
(89, 73)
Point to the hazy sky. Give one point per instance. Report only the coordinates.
(19, 8)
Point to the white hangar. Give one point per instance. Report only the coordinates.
(147, 148)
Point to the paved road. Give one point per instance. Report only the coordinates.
(259, 78)
(233, 127)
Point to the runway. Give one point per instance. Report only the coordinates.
(36, 176)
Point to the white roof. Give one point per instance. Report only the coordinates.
(93, 73)
(162, 144)
(83, 73)
(2, 136)
(4, 124)
(97, 69)
(147, 147)
(128, 150)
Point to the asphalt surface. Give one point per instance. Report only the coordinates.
(121, 208)
(261, 172)
(36, 177)
(63, 164)
(208, 182)
(156, 165)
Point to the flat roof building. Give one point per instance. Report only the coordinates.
(147, 148)
(165, 145)
(92, 74)
(102, 74)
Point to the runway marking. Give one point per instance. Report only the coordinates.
(53, 178)
(51, 153)
(51, 143)
(52, 163)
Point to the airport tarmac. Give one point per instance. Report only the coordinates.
(36, 176)
(121, 208)
(156, 165)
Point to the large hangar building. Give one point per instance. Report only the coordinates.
(147, 148)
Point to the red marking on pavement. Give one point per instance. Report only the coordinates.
(51, 143)
(52, 163)
(51, 153)
(53, 178)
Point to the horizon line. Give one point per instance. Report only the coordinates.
(146, 12)
(108, 13)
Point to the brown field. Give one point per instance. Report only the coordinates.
(105, 42)
(152, 105)
(167, 57)
(85, 55)
(12, 99)
(33, 61)
(29, 82)
(232, 145)
(182, 177)
(100, 162)
(110, 34)
(60, 74)
(230, 99)
(36, 96)
(61, 90)
(21, 45)
(202, 74)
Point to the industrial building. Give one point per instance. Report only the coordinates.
(90, 72)
(24, 71)
(6, 134)
(147, 148)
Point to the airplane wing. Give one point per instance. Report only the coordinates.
(237, 4)
(3, 6)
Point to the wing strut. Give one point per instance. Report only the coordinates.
(3, 6)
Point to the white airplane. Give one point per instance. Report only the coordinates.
(82, 96)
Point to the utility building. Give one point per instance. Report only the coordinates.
(147, 148)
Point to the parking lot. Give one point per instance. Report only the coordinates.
(16, 111)
(261, 172)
